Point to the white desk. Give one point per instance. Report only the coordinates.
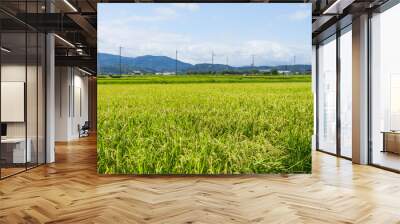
(18, 149)
(391, 141)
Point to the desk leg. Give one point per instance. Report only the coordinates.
(384, 142)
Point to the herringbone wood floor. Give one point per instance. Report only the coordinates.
(70, 191)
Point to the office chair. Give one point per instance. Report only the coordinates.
(84, 130)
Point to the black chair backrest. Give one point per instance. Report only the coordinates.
(86, 125)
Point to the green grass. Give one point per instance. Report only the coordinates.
(204, 124)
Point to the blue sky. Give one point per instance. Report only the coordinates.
(273, 33)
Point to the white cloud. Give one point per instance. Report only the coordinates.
(165, 12)
(300, 15)
(137, 42)
(137, 18)
(139, 38)
(188, 6)
(157, 14)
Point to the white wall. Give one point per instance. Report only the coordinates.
(314, 91)
(81, 82)
(70, 83)
(62, 82)
(14, 72)
(33, 126)
(13, 101)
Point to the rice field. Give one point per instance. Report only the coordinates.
(204, 124)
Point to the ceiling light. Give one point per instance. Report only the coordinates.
(79, 51)
(338, 6)
(86, 72)
(70, 5)
(65, 41)
(5, 50)
(333, 6)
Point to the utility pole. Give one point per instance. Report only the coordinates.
(287, 63)
(212, 60)
(227, 63)
(176, 62)
(120, 64)
(252, 61)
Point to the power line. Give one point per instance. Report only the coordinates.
(212, 60)
(176, 62)
(227, 63)
(120, 62)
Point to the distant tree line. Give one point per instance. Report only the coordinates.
(272, 72)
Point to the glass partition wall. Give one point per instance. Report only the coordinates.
(334, 92)
(327, 95)
(345, 61)
(334, 104)
(13, 90)
(385, 89)
(22, 77)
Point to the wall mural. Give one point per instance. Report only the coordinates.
(204, 88)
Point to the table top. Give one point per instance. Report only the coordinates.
(13, 140)
(391, 132)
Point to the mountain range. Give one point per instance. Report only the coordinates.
(110, 64)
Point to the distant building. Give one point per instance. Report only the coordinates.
(135, 73)
(285, 72)
(168, 73)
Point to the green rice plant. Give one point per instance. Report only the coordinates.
(196, 125)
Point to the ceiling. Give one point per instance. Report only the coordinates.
(75, 21)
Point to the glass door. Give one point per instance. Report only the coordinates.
(327, 95)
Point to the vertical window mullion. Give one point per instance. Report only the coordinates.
(45, 87)
(317, 96)
(26, 86)
(338, 74)
(0, 91)
(37, 90)
(369, 90)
